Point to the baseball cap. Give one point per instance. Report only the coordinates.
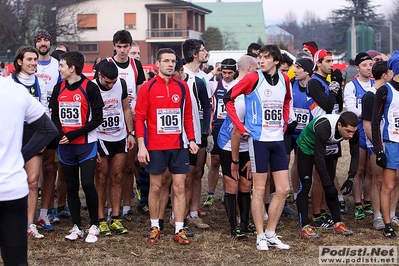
(320, 54)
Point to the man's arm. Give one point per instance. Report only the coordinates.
(316, 91)
(350, 99)
(354, 151)
(322, 134)
(188, 113)
(205, 104)
(45, 132)
(127, 114)
(53, 106)
(367, 113)
(378, 111)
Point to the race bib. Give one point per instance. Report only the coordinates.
(335, 109)
(169, 121)
(302, 117)
(359, 104)
(111, 122)
(221, 109)
(272, 115)
(70, 115)
(395, 130)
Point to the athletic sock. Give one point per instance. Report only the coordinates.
(125, 209)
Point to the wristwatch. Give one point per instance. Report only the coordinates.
(133, 133)
(236, 161)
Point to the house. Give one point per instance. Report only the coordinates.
(154, 24)
(278, 36)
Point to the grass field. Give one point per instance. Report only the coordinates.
(213, 246)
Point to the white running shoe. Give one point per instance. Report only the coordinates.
(275, 241)
(75, 233)
(93, 233)
(32, 231)
(395, 222)
(261, 243)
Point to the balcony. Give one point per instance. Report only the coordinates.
(170, 34)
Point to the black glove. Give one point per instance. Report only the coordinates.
(381, 159)
(334, 86)
(204, 140)
(347, 186)
(291, 127)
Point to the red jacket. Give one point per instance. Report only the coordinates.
(166, 109)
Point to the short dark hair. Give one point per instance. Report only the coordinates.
(272, 50)
(19, 55)
(164, 51)
(74, 58)
(379, 68)
(122, 36)
(2, 64)
(179, 63)
(109, 70)
(286, 59)
(352, 62)
(190, 48)
(253, 46)
(348, 119)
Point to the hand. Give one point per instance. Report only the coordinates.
(347, 186)
(143, 156)
(193, 147)
(98, 158)
(64, 140)
(247, 167)
(334, 87)
(291, 127)
(381, 159)
(210, 145)
(234, 171)
(130, 142)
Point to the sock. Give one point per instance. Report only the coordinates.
(43, 213)
(323, 212)
(269, 234)
(109, 211)
(154, 222)
(265, 217)
(341, 198)
(101, 220)
(185, 222)
(316, 216)
(194, 214)
(161, 224)
(377, 215)
(357, 204)
(295, 196)
(211, 193)
(392, 214)
(29, 223)
(114, 217)
(60, 208)
(178, 226)
(125, 209)
(387, 226)
(259, 237)
(230, 205)
(238, 219)
(367, 203)
(244, 204)
(173, 215)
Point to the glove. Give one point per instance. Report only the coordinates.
(204, 140)
(347, 186)
(210, 145)
(381, 159)
(334, 87)
(291, 127)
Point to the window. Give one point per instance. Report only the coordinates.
(87, 47)
(87, 21)
(166, 19)
(130, 20)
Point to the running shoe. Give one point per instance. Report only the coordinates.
(342, 207)
(341, 228)
(250, 230)
(198, 222)
(93, 233)
(65, 213)
(368, 209)
(75, 233)
(288, 211)
(32, 232)
(202, 213)
(320, 222)
(389, 232)
(275, 241)
(308, 232)
(181, 237)
(53, 216)
(44, 224)
(359, 213)
(378, 224)
(261, 243)
(116, 226)
(238, 235)
(154, 235)
(189, 233)
(328, 218)
(395, 222)
(104, 229)
(129, 216)
(143, 208)
(209, 201)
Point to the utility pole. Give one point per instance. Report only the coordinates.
(353, 38)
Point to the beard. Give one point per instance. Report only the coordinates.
(43, 52)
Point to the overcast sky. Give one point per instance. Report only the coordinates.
(275, 10)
